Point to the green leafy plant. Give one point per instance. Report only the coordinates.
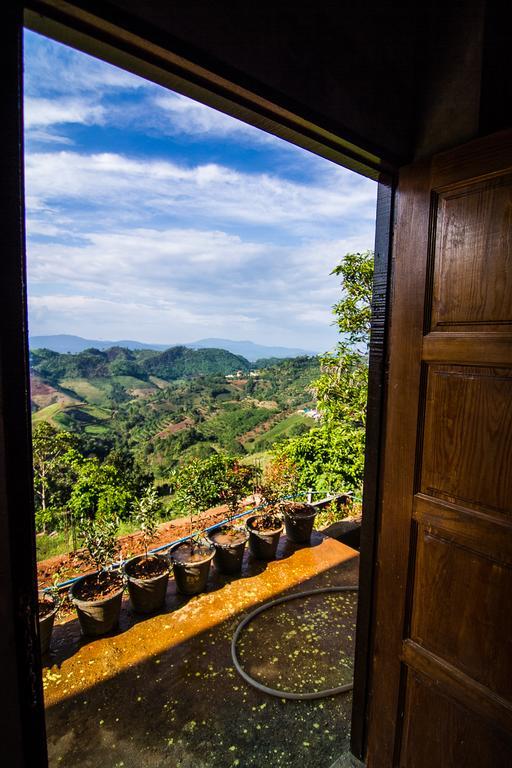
(201, 484)
(99, 537)
(146, 515)
(330, 457)
(238, 482)
(196, 487)
(53, 453)
(99, 489)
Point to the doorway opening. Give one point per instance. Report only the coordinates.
(86, 396)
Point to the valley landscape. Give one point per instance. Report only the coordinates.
(166, 407)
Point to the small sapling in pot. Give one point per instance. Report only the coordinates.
(265, 528)
(147, 574)
(298, 516)
(230, 539)
(97, 596)
(194, 488)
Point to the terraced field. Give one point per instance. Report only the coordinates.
(165, 422)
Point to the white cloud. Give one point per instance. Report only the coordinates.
(167, 250)
(45, 112)
(52, 68)
(210, 192)
(183, 115)
(178, 285)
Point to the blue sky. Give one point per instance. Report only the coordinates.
(155, 218)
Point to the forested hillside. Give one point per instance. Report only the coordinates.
(165, 407)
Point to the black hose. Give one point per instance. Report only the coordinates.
(274, 691)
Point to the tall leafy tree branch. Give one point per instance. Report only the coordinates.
(330, 457)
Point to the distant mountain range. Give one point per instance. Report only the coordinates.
(67, 343)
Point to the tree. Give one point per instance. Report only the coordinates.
(200, 484)
(53, 454)
(99, 490)
(238, 481)
(197, 485)
(330, 457)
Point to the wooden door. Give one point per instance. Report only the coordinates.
(441, 685)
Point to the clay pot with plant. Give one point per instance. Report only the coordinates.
(299, 516)
(48, 605)
(191, 559)
(266, 527)
(147, 574)
(97, 596)
(230, 539)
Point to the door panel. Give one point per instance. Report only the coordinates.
(472, 256)
(452, 736)
(442, 613)
(468, 406)
(442, 674)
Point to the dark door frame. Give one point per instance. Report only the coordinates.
(26, 738)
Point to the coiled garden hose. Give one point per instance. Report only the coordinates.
(274, 691)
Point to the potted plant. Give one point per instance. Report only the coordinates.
(47, 609)
(194, 488)
(147, 575)
(97, 596)
(230, 539)
(266, 527)
(299, 516)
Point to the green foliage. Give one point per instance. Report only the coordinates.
(146, 514)
(174, 363)
(291, 426)
(353, 312)
(232, 422)
(99, 537)
(280, 482)
(196, 486)
(179, 362)
(330, 457)
(201, 484)
(53, 454)
(99, 491)
(239, 480)
(134, 477)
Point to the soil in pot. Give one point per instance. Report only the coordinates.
(191, 566)
(229, 542)
(147, 582)
(264, 532)
(97, 599)
(299, 519)
(47, 608)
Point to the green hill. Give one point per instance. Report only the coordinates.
(180, 362)
(174, 363)
(165, 407)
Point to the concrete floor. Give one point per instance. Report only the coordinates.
(162, 691)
